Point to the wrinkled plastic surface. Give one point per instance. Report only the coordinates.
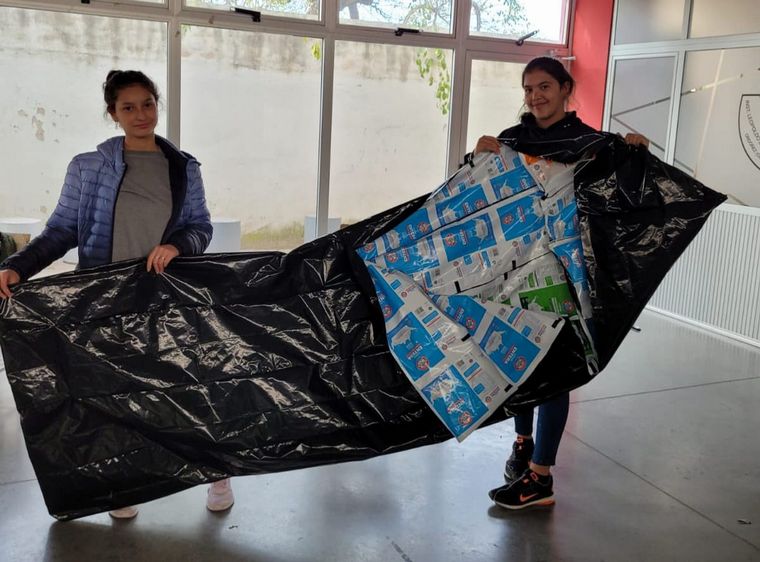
(638, 215)
(133, 386)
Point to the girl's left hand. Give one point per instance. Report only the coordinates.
(632, 138)
(160, 256)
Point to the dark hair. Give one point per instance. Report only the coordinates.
(117, 80)
(552, 67)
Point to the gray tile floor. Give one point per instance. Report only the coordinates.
(660, 461)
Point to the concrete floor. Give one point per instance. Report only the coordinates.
(660, 461)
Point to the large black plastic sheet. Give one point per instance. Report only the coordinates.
(133, 386)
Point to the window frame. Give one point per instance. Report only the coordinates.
(328, 28)
(678, 47)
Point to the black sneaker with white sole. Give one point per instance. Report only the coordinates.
(529, 490)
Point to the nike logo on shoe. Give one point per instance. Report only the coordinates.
(526, 498)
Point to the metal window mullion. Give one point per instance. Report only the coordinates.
(174, 73)
(607, 113)
(568, 23)
(495, 46)
(137, 3)
(696, 44)
(301, 29)
(390, 38)
(460, 111)
(128, 3)
(508, 46)
(687, 11)
(460, 87)
(675, 108)
(613, 30)
(326, 118)
(213, 13)
(609, 91)
(242, 22)
(316, 29)
(130, 11)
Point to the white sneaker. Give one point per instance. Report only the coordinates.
(124, 513)
(220, 496)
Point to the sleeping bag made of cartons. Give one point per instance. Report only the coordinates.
(476, 285)
(132, 386)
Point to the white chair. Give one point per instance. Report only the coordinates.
(310, 227)
(21, 225)
(226, 236)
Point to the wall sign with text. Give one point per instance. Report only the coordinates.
(749, 126)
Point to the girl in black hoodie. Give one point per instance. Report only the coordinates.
(547, 86)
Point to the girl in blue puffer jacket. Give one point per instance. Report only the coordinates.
(137, 195)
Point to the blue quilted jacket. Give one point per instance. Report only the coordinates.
(84, 215)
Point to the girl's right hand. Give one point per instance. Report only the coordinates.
(8, 277)
(487, 144)
(636, 140)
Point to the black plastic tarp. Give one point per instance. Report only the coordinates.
(133, 386)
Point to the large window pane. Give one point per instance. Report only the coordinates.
(53, 66)
(643, 106)
(428, 15)
(390, 126)
(709, 17)
(496, 97)
(308, 9)
(514, 18)
(719, 123)
(639, 21)
(250, 114)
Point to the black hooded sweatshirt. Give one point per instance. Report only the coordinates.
(527, 137)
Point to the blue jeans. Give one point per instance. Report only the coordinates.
(552, 416)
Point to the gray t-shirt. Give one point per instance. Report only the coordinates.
(144, 205)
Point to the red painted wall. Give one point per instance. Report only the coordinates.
(591, 48)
